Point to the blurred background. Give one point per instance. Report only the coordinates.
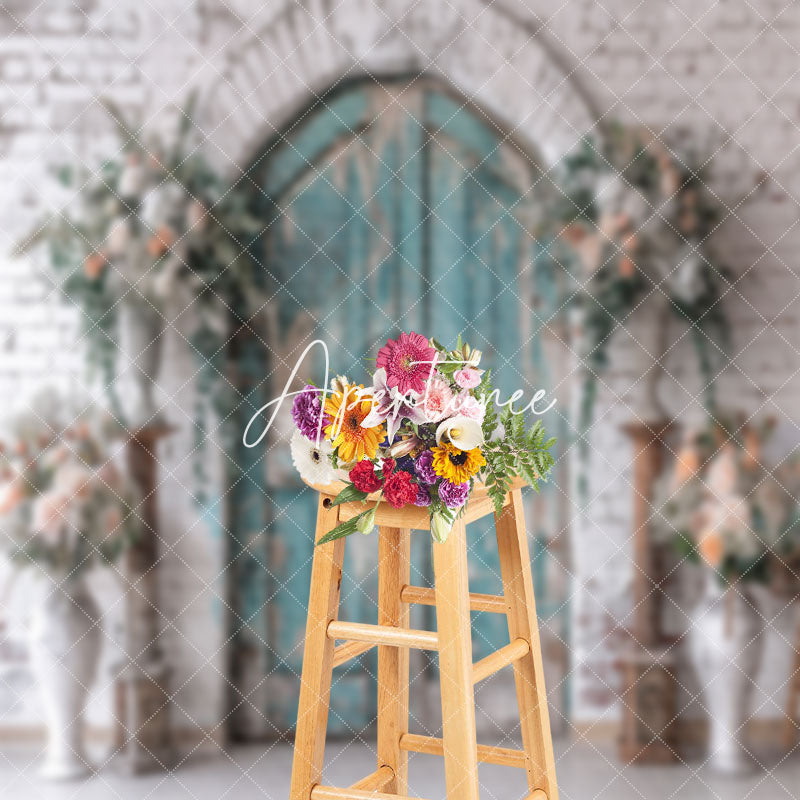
(598, 196)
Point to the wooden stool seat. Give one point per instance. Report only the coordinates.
(452, 640)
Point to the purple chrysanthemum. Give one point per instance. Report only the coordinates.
(307, 410)
(423, 496)
(453, 495)
(423, 466)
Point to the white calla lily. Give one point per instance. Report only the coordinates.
(440, 528)
(462, 432)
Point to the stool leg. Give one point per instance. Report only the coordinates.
(315, 683)
(515, 567)
(394, 572)
(455, 665)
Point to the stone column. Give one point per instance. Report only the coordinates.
(143, 740)
(647, 663)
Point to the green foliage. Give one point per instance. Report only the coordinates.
(215, 229)
(649, 217)
(348, 495)
(512, 451)
(344, 528)
(686, 548)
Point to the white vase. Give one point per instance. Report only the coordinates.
(65, 649)
(725, 642)
(141, 329)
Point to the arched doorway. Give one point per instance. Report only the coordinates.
(392, 206)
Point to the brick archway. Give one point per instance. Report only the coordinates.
(296, 57)
(295, 52)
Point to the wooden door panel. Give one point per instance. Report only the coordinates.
(390, 209)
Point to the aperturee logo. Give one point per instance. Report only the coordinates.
(423, 433)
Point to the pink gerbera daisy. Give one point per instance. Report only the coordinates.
(408, 361)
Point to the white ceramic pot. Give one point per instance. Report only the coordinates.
(65, 649)
(141, 329)
(726, 651)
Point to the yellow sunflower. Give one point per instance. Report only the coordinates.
(346, 410)
(457, 466)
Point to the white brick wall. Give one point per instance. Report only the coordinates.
(721, 70)
(54, 64)
(724, 72)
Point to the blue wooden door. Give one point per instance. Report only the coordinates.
(389, 209)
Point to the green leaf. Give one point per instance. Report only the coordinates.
(344, 529)
(348, 495)
(684, 546)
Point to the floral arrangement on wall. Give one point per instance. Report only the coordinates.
(64, 504)
(154, 218)
(633, 222)
(725, 509)
(422, 434)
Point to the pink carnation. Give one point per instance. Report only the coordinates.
(467, 378)
(468, 406)
(438, 399)
(408, 361)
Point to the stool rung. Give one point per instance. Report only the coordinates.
(383, 635)
(375, 781)
(494, 662)
(537, 794)
(504, 756)
(331, 793)
(349, 650)
(419, 595)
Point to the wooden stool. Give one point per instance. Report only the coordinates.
(393, 637)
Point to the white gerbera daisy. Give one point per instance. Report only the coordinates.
(312, 462)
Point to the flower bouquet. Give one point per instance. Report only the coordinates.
(156, 219)
(64, 507)
(63, 503)
(422, 434)
(723, 508)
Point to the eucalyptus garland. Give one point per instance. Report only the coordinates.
(633, 219)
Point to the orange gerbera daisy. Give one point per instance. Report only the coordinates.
(347, 410)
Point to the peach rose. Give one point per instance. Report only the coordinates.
(722, 474)
(687, 465)
(160, 242)
(626, 267)
(710, 547)
(11, 495)
(752, 448)
(94, 265)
